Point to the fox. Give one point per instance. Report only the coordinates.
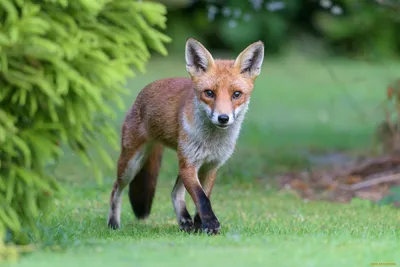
(200, 118)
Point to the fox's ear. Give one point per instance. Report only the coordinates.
(250, 60)
(198, 59)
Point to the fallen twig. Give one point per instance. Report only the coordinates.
(374, 181)
(371, 166)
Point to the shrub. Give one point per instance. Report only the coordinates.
(361, 28)
(234, 24)
(63, 68)
(345, 27)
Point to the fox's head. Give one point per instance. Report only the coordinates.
(223, 87)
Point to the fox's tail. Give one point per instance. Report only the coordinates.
(142, 188)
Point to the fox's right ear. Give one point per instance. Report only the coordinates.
(198, 59)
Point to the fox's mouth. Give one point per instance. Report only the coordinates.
(222, 126)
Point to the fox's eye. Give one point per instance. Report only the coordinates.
(209, 93)
(236, 94)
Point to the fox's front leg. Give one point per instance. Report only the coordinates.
(188, 174)
(207, 175)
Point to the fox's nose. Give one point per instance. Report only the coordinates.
(223, 118)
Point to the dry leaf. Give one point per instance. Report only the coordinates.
(297, 184)
(353, 179)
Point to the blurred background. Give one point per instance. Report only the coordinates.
(327, 69)
(366, 29)
(324, 97)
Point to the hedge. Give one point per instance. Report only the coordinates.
(366, 29)
(63, 66)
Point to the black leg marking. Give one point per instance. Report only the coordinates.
(209, 222)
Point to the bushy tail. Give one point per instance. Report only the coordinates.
(143, 186)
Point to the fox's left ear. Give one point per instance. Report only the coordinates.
(250, 60)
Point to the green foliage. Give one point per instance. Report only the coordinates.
(363, 28)
(63, 68)
(244, 22)
(393, 198)
(346, 27)
(233, 24)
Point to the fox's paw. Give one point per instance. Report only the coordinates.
(113, 223)
(197, 223)
(186, 224)
(211, 227)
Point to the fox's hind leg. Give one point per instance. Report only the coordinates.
(178, 201)
(142, 188)
(129, 164)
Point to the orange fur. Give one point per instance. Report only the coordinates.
(223, 79)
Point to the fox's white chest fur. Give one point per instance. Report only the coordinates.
(207, 144)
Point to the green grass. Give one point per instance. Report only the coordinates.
(260, 228)
(296, 106)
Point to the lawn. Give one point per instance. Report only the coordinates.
(297, 105)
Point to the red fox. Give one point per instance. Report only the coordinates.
(200, 118)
